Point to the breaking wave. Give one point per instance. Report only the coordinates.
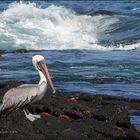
(27, 26)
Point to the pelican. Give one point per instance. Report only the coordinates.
(26, 94)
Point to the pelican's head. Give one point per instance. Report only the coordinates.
(39, 63)
(36, 59)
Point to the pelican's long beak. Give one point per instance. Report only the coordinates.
(46, 72)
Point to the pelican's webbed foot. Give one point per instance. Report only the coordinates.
(30, 116)
(36, 116)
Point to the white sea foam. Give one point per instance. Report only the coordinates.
(26, 26)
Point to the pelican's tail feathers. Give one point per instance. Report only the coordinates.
(1, 108)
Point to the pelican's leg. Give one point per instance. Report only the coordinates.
(36, 116)
(29, 116)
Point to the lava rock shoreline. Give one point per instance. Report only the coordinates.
(71, 116)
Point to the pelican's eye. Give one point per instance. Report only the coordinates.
(38, 64)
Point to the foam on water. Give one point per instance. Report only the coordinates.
(26, 26)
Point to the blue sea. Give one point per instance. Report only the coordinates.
(91, 47)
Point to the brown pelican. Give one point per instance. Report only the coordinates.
(24, 95)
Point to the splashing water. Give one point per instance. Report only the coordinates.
(26, 26)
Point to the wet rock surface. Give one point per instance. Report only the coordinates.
(72, 116)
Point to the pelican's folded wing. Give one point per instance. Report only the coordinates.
(19, 97)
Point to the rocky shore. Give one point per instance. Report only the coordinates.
(72, 116)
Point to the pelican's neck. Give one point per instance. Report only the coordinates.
(42, 77)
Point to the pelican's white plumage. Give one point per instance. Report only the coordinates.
(24, 95)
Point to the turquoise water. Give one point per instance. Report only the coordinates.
(62, 25)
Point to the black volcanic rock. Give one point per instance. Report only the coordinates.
(72, 117)
(21, 51)
(2, 52)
